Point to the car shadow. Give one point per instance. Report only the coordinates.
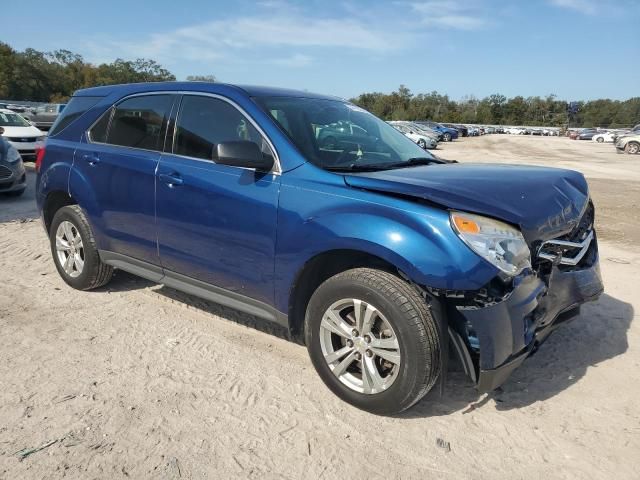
(598, 334)
(226, 313)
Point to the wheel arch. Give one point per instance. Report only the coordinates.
(320, 268)
(53, 202)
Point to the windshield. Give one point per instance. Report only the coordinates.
(337, 135)
(12, 120)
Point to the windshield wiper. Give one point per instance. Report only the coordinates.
(412, 162)
(354, 167)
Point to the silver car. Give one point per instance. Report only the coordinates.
(13, 178)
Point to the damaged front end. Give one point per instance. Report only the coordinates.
(495, 328)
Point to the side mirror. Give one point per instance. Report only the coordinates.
(243, 154)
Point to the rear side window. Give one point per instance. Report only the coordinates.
(98, 132)
(139, 122)
(204, 122)
(74, 109)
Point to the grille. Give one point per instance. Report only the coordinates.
(570, 249)
(22, 139)
(4, 172)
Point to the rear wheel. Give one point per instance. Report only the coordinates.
(74, 250)
(372, 340)
(422, 143)
(632, 147)
(447, 137)
(600, 139)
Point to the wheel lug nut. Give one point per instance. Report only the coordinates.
(349, 343)
(367, 338)
(358, 356)
(369, 353)
(354, 332)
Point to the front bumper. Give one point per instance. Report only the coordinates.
(506, 333)
(14, 182)
(27, 150)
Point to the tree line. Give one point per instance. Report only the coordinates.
(497, 109)
(54, 76)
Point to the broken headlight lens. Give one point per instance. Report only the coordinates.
(497, 242)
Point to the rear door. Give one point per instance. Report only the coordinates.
(118, 160)
(216, 223)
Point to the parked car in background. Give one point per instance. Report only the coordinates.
(44, 116)
(448, 134)
(601, 137)
(20, 133)
(587, 133)
(13, 178)
(628, 143)
(340, 135)
(462, 130)
(421, 139)
(573, 134)
(377, 255)
(536, 131)
(489, 130)
(473, 131)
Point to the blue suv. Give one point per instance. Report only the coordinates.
(378, 255)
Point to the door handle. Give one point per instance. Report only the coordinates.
(91, 159)
(171, 179)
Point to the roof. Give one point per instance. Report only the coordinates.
(221, 88)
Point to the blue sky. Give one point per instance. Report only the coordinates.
(576, 49)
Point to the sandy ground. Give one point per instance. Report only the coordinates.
(139, 381)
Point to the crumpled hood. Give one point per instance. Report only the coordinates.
(544, 202)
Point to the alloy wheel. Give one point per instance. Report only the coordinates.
(69, 249)
(360, 346)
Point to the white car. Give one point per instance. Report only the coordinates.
(20, 133)
(423, 140)
(603, 137)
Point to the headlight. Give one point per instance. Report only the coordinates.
(12, 155)
(497, 242)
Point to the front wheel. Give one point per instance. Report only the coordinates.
(422, 144)
(600, 139)
(632, 147)
(447, 137)
(373, 340)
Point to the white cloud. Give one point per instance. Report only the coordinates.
(584, 6)
(223, 38)
(450, 14)
(297, 60)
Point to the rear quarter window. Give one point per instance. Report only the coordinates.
(76, 107)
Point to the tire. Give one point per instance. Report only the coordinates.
(599, 139)
(422, 144)
(86, 271)
(401, 319)
(632, 148)
(446, 137)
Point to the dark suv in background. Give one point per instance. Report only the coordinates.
(373, 251)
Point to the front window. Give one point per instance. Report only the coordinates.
(13, 120)
(337, 135)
